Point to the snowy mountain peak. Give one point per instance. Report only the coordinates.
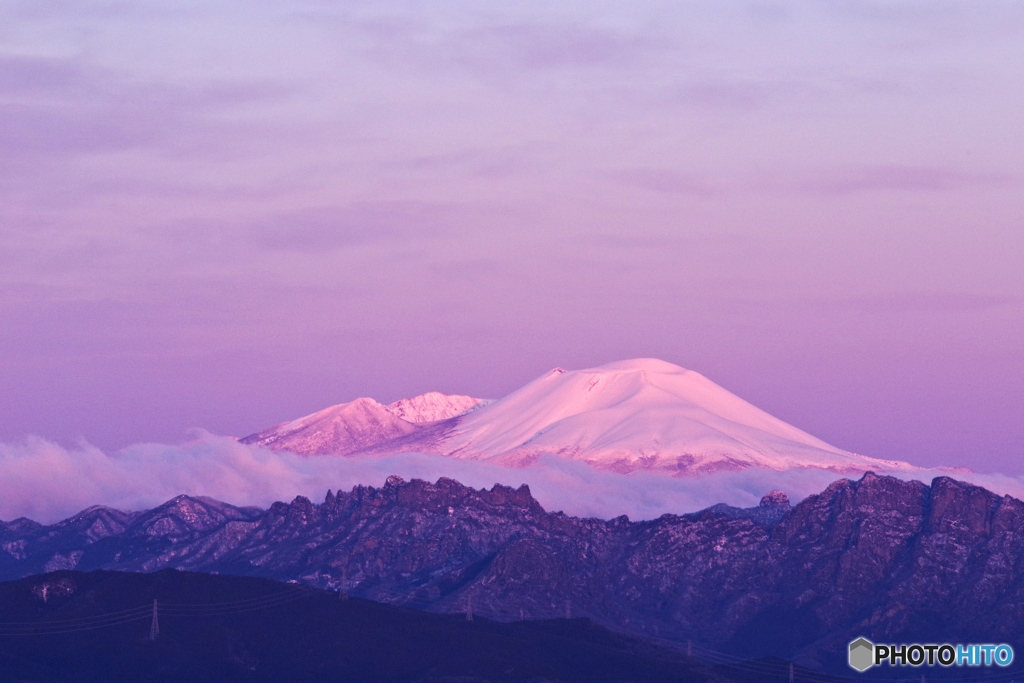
(655, 365)
(432, 406)
(644, 414)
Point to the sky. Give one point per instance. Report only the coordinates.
(222, 216)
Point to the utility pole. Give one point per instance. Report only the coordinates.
(343, 593)
(154, 627)
(469, 608)
(791, 672)
(568, 609)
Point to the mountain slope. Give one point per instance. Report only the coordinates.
(642, 414)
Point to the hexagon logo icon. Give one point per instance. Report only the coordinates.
(862, 654)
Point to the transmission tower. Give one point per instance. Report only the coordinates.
(154, 627)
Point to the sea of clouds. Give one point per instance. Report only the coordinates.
(48, 482)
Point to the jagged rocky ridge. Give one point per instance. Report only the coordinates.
(878, 557)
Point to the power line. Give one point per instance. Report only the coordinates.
(107, 619)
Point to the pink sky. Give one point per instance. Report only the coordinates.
(219, 218)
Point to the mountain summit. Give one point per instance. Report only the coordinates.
(641, 414)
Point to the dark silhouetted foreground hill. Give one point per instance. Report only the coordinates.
(223, 629)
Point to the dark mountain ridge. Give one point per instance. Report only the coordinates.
(878, 557)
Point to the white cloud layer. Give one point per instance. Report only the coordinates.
(48, 482)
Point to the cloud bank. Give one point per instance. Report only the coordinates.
(47, 482)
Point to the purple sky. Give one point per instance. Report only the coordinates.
(221, 217)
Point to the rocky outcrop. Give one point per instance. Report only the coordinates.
(877, 557)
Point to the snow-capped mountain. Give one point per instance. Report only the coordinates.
(642, 414)
(338, 430)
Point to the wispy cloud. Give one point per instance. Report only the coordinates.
(487, 45)
(724, 94)
(896, 178)
(900, 303)
(56, 112)
(22, 74)
(669, 243)
(665, 181)
(549, 46)
(32, 132)
(352, 225)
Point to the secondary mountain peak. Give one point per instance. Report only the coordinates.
(338, 430)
